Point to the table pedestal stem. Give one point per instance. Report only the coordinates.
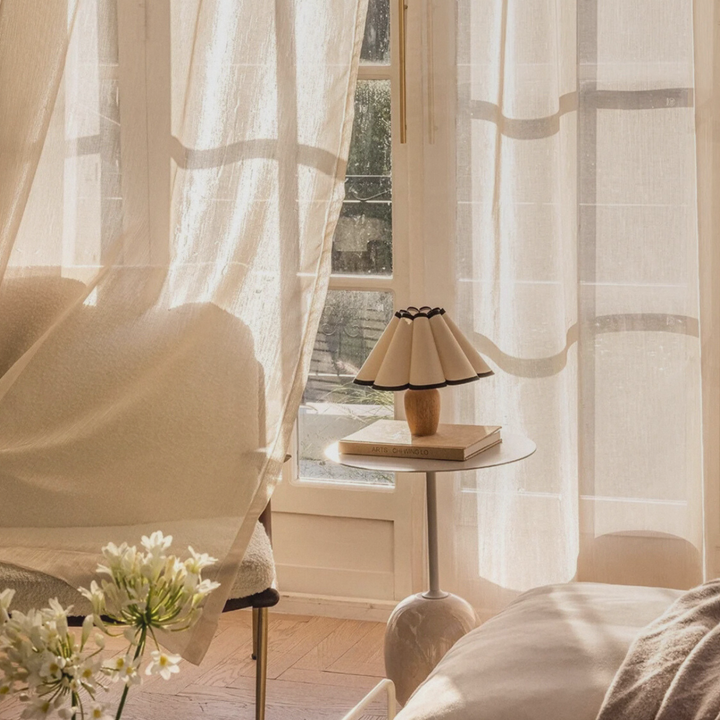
(422, 628)
(431, 491)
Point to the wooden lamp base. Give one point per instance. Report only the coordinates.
(422, 409)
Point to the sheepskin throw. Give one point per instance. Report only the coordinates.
(672, 669)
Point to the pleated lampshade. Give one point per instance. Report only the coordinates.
(421, 349)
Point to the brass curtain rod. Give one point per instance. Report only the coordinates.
(402, 11)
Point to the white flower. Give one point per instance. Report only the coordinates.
(157, 543)
(194, 566)
(96, 597)
(40, 708)
(56, 611)
(125, 669)
(68, 713)
(87, 626)
(203, 590)
(198, 562)
(98, 712)
(88, 673)
(163, 664)
(6, 597)
(152, 566)
(116, 664)
(130, 675)
(55, 618)
(52, 668)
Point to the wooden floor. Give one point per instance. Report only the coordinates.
(318, 669)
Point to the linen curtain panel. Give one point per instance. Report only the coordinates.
(585, 219)
(171, 173)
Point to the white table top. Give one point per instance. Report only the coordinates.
(513, 447)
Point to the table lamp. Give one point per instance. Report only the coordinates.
(420, 351)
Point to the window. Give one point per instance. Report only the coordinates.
(361, 296)
(333, 406)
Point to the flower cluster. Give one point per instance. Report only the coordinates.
(45, 662)
(150, 590)
(52, 669)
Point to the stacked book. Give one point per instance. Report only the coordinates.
(392, 438)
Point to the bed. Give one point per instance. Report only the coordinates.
(551, 655)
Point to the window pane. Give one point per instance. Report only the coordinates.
(370, 146)
(376, 44)
(333, 406)
(363, 239)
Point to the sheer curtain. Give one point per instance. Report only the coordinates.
(171, 175)
(578, 246)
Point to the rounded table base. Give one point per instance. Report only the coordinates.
(419, 633)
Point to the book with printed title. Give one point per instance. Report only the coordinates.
(392, 438)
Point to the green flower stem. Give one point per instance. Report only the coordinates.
(138, 653)
(75, 702)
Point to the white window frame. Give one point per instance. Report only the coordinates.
(397, 283)
(402, 503)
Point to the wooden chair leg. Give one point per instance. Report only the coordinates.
(255, 612)
(261, 667)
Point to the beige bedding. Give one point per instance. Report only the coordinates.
(551, 655)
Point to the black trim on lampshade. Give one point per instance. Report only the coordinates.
(472, 379)
(418, 313)
(391, 389)
(366, 383)
(408, 386)
(428, 387)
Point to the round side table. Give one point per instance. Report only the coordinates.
(423, 627)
